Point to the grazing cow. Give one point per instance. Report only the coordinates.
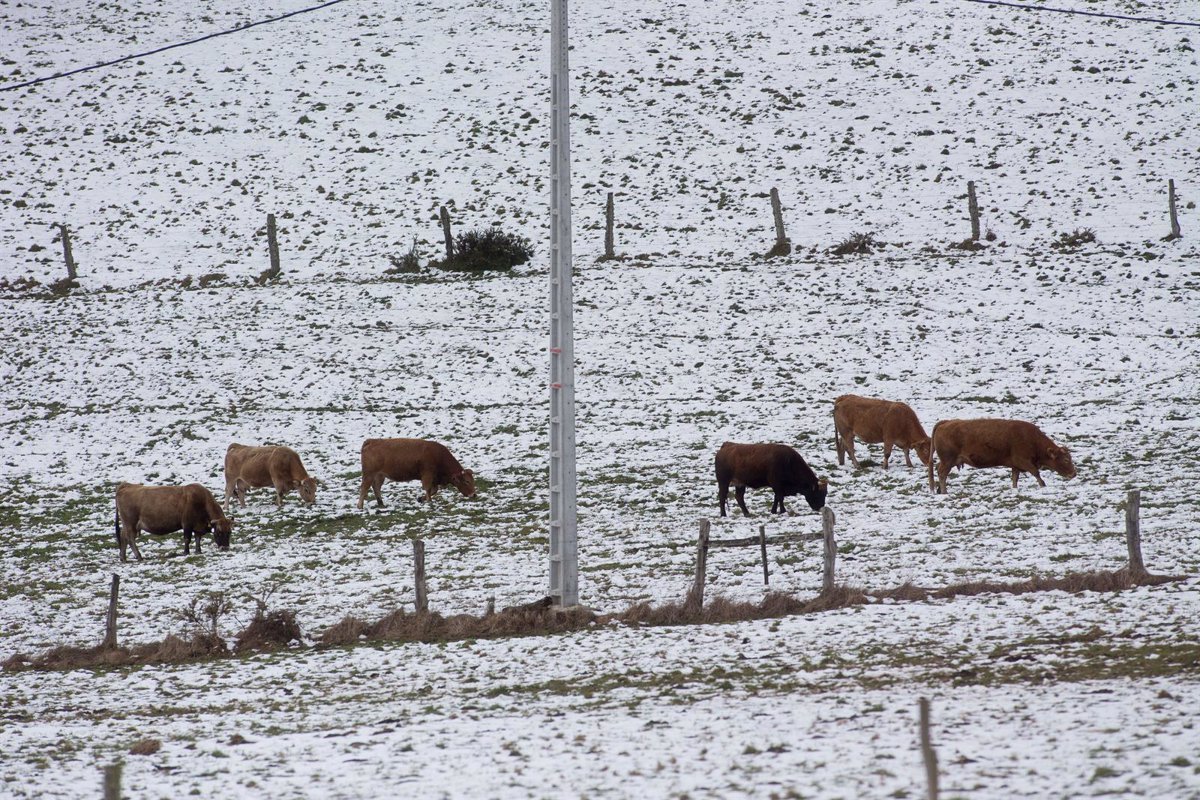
(874, 421)
(410, 460)
(757, 465)
(166, 509)
(252, 467)
(983, 443)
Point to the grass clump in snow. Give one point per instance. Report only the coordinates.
(857, 244)
(1074, 240)
(489, 249)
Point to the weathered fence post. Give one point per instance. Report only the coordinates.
(782, 245)
(1133, 533)
(110, 622)
(695, 598)
(491, 606)
(272, 247)
(762, 544)
(608, 229)
(927, 752)
(445, 215)
(830, 549)
(69, 257)
(1175, 232)
(419, 576)
(973, 209)
(112, 781)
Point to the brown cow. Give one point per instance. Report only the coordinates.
(166, 509)
(411, 460)
(874, 421)
(757, 465)
(252, 467)
(986, 443)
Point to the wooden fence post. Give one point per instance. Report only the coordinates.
(110, 623)
(491, 606)
(927, 752)
(762, 544)
(112, 781)
(608, 228)
(695, 598)
(1133, 533)
(1175, 232)
(830, 549)
(272, 247)
(445, 215)
(419, 577)
(782, 245)
(67, 255)
(973, 209)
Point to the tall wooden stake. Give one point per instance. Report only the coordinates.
(927, 752)
(973, 209)
(827, 518)
(110, 623)
(762, 545)
(782, 245)
(1175, 233)
(445, 215)
(608, 228)
(695, 598)
(273, 246)
(112, 781)
(419, 575)
(70, 259)
(1133, 533)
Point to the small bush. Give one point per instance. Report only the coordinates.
(490, 249)
(409, 262)
(857, 244)
(1074, 240)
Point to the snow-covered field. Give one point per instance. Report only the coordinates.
(353, 124)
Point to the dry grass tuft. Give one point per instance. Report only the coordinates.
(145, 747)
(267, 632)
(345, 632)
(906, 592)
(176, 650)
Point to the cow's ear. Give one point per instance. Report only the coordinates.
(823, 483)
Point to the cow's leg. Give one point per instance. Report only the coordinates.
(848, 443)
(887, 452)
(239, 488)
(1038, 477)
(129, 535)
(943, 470)
(199, 533)
(230, 491)
(1016, 473)
(363, 488)
(187, 542)
(281, 488)
(740, 493)
(722, 495)
(907, 460)
(376, 485)
(837, 444)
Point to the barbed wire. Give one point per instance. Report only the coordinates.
(174, 46)
(1100, 14)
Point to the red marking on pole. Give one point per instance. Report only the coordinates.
(555, 349)
(556, 386)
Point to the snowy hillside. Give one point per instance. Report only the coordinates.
(353, 124)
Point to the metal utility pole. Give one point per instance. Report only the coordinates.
(564, 562)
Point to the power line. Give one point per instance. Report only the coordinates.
(205, 38)
(1086, 13)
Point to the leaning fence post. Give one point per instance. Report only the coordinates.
(695, 598)
(110, 623)
(1175, 232)
(419, 577)
(782, 245)
(762, 544)
(927, 752)
(1133, 533)
(70, 258)
(445, 216)
(973, 209)
(830, 548)
(272, 247)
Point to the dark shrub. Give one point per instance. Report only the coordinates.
(487, 249)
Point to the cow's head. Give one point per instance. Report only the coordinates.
(222, 527)
(922, 449)
(1059, 460)
(816, 497)
(308, 490)
(465, 482)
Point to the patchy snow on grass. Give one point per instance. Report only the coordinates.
(353, 125)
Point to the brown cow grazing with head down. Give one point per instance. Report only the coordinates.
(253, 467)
(984, 443)
(757, 465)
(874, 421)
(411, 460)
(166, 509)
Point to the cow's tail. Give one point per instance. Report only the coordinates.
(932, 454)
(117, 522)
(837, 438)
